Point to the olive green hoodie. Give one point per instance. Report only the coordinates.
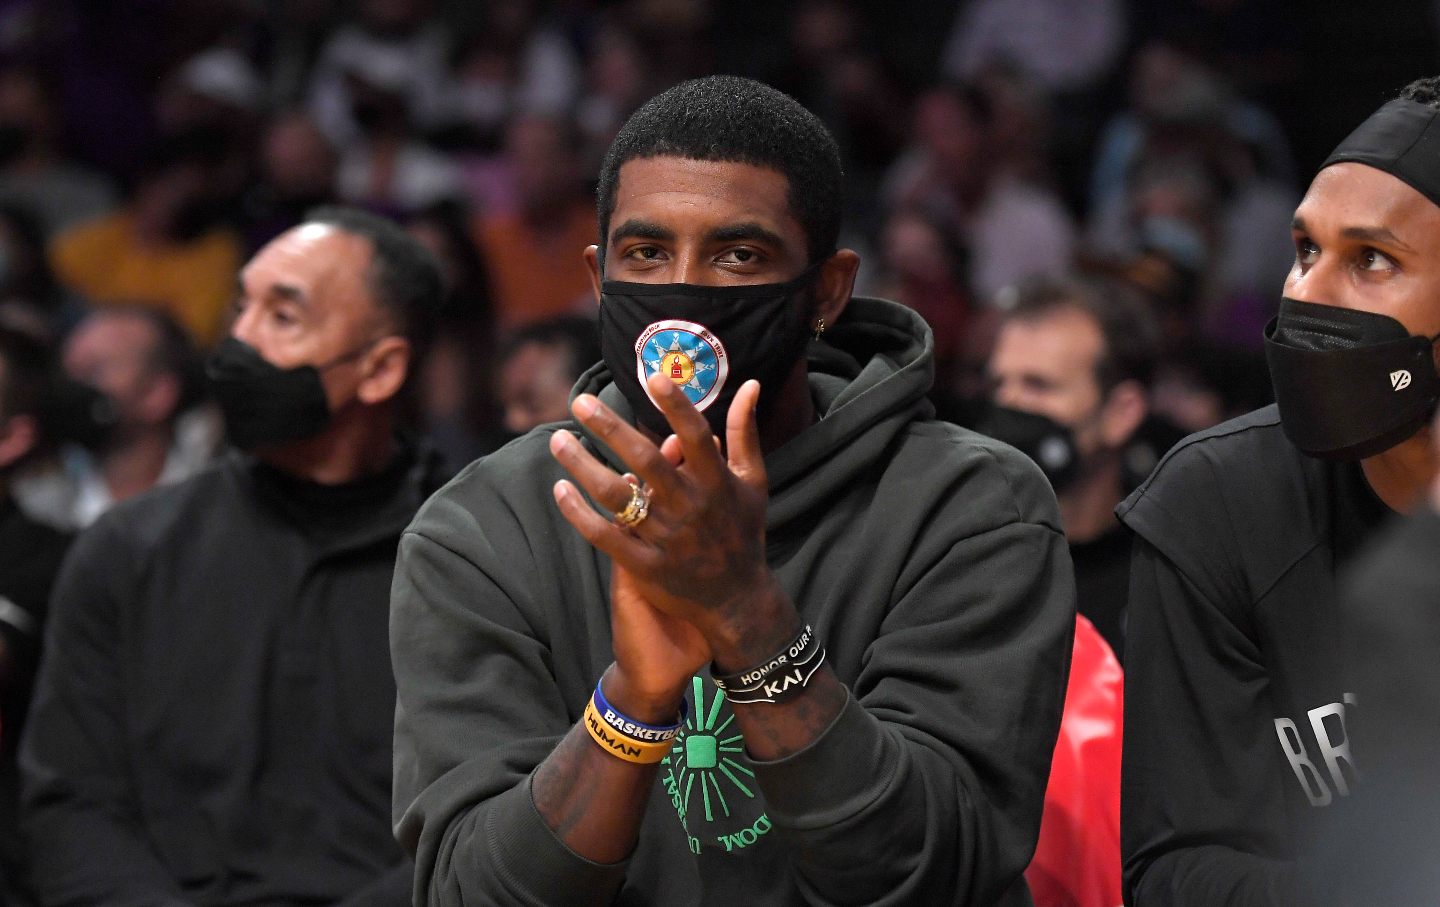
(930, 560)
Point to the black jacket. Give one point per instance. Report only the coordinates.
(1235, 681)
(213, 719)
(929, 558)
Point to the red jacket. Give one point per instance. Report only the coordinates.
(1077, 860)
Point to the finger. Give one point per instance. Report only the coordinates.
(689, 426)
(742, 436)
(623, 548)
(670, 449)
(636, 451)
(599, 481)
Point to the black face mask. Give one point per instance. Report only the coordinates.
(1042, 439)
(708, 340)
(81, 414)
(1349, 384)
(263, 404)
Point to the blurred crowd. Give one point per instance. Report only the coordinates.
(148, 147)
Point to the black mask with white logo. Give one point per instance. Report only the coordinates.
(263, 404)
(1349, 384)
(1042, 439)
(708, 340)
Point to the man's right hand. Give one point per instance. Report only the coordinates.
(656, 654)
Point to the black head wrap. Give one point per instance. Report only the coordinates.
(1402, 138)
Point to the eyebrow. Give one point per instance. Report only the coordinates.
(1380, 235)
(641, 229)
(746, 231)
(286, 291)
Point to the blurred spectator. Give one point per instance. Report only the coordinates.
(145, 373)
(1205, 176)
(534, 253)
(1014, 228)
(33, 175)
(384, 166)
(212, 723)
(166, 248)
(617, 82)
(394, 46)
(216, 90)
(923, 266)
(457, 406)
(28, 289)
(1071, 372)
(30, 554)
(833, 70)
(297, 172)
(1069, 46)
(512, 64)
(540, 365)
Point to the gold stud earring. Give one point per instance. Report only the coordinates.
(819, 328)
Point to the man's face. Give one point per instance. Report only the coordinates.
(1046, 365)
(678, 220)
(304, 301)
(535, 385)
(114, 353)
(1365, 240)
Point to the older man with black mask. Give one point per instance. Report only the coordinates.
(212, 723)
(1237, 679)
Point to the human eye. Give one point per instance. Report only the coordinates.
(740, 255)
(644, 253)
(1305, 250)
(1375, 260)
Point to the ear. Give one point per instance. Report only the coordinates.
(384, 370)
(1125, 408)
(160, 399)
(592, 265)
(834, 284)
(18, 435)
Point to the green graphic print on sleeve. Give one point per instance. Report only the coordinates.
(708, 778)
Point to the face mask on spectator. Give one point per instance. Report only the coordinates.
(1349, 383)
(263, 404)
(1050, 444)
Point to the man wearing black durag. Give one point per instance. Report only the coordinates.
(1237, 690)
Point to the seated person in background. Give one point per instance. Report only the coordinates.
(1070, 376)
(212, 723)
(30, 554)
(539, 366)
(1237, 676)
(886, 599)
(145, 375)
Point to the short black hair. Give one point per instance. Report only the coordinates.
(735, 120)
(404, 277)
(577, 335)
(1423, 91)
(1129, 329)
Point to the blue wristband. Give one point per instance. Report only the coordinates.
(637, 730)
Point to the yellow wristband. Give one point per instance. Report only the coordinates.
(619, 745)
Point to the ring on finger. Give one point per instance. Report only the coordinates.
(636, 509)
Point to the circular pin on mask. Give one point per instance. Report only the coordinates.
(686, 353)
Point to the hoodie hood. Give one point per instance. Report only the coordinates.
(868, 378)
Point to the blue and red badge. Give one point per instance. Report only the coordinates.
(686, 353)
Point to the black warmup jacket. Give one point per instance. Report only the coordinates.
(212, 723)
(1235, 672)
(930, 560)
